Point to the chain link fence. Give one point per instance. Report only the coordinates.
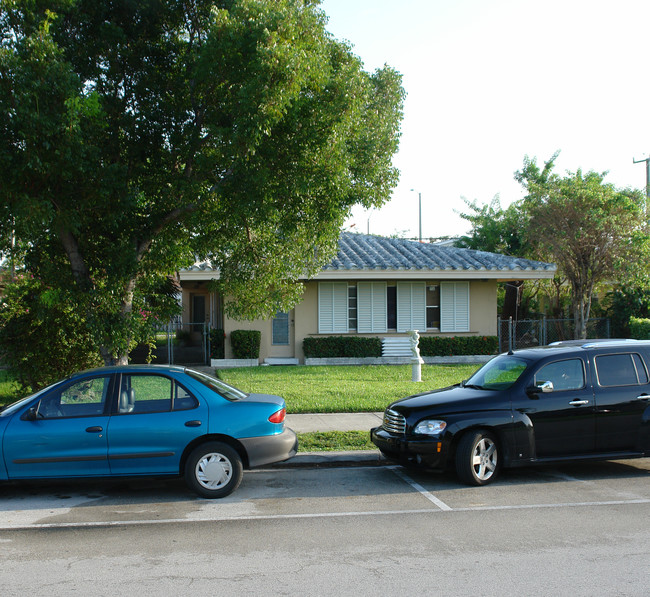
(526, 333)
(177, 343)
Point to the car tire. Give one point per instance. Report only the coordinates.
(477, 458)
(213, 470)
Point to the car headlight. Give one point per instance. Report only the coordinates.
(430, 427)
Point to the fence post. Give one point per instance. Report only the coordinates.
(170, 343)
(206, 344)
(499, 332)
(510, 334)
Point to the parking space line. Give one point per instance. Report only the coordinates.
(432, 498)
(118, 523)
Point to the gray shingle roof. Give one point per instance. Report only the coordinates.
(366, 252)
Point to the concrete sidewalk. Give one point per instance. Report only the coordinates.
(334, 422)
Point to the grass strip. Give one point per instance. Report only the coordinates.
(334, 441)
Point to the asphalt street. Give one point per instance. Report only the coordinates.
(323, 529)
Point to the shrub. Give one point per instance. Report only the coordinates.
(439, 346)
(42, 339)
(341, 346)
(246, 344)
(640, 328)
(217, 344)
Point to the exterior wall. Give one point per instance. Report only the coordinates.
(483, 308)
(303, 319)
(483, 314)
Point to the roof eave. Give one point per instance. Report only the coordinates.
(398, 274)
(429, 274)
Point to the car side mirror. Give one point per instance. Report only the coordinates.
(31, 414)
(547, 387)
(543, 388)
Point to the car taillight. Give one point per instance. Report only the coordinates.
(278, 417)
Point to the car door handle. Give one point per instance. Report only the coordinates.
(94, 429)
(643, 397)
(578, 402)
(193, 424)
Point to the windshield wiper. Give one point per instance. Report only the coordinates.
(473, 386)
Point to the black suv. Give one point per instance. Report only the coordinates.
(572, 400)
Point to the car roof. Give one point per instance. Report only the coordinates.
(573, 346)
(110, 369)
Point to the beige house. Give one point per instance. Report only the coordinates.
(375, 286)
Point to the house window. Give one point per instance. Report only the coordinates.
(391, 307)
(454, 306)
(433, 306)
(376, 307)
(352, 308)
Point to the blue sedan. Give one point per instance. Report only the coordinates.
(144, 420)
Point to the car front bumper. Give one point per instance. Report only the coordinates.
(431, 452)
(270, 448)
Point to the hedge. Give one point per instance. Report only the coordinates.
(217, 344)
(430, 346)
(341, 346)
(442, 346)
(245, 344)
(640, 328)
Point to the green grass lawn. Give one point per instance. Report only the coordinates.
(343, 389)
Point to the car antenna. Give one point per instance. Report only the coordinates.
(510, 352)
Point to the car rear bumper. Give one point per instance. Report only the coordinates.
(270, 448)
(430, 452)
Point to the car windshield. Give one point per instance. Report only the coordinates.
(12, 408)
(220, 387)
(498, 374)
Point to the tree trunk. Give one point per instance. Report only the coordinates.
(581, 309)
(110, 360)
(107, 352)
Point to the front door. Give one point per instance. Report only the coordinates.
(65, 436)
(563, 419)
(282, 335)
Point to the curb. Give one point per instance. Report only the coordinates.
(331, 459)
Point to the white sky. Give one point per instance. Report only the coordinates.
(490, 81)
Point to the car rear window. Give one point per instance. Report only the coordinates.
(627, 369)
(216, 385)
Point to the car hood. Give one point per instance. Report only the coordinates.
(451, 400)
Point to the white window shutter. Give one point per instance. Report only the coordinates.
(411, 306)
(462, 307)
(332, 307)
(454, 306)
(371, 307)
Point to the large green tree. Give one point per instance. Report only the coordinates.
(136, 136)
(593, 231)
(499, 230)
